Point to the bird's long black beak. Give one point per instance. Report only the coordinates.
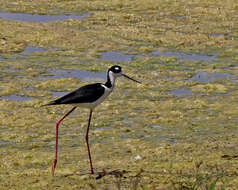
(130, 78)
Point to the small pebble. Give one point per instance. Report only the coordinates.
(138, 157)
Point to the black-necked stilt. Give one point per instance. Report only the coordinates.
(88, 96)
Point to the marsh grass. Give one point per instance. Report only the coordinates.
(199, 180)
(186, 152)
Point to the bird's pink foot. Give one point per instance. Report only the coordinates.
(53, 167)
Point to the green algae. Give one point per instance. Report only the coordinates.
(198, 135)
(58, 84)
(216, 88)
(144, 27)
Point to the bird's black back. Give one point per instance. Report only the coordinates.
(84, 94)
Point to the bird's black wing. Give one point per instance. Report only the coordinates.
(84, 94)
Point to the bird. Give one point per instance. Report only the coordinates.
(88, 96)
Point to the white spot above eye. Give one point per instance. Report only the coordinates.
(117, 68)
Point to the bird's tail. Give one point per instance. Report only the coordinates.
(50, 103)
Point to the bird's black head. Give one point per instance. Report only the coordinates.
(115, 69)
(114, 72)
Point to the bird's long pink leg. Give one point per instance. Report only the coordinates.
(86, 137)
(56, 140)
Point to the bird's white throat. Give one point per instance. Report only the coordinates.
(112, 78)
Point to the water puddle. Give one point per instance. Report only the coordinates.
(80, 74)
(169, 139)
(58, 94)
(14, 97)
(116, 56)
(204, 77)
(195, 57)
(39, 18)
(157, 127)
(227, 35)
(99, 129)
(4, 143)
(32, 49)
(181, 92)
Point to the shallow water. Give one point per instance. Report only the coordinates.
(220, 34)
(5, 143)
(32, 49)
(169, 139)
(14, 97)
(39, 18)
(157, 127)
(58, 94)
(181, 92)
(204, 77)
(116, 56)
(181, 55)
(80, 74)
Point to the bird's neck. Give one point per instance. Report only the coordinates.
(110, 80)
